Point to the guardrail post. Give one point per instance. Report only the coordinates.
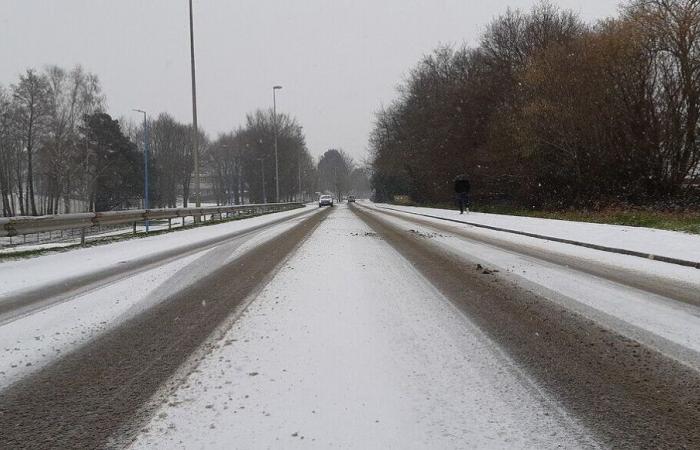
(170, 223)
(82, 236)
(134, 227)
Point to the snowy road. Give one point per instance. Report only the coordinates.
(356, 327)
(350, 347)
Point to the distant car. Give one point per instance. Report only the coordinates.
(325, 200)
(351, 199)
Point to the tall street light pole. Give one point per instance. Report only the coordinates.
(145, 161)
(195, 130)
(277, 172)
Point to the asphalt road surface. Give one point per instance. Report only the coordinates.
(371, 300)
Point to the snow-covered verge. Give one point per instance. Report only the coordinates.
(350, 347)
(670, 326)
(16, 275)
(49, 240)
(671, 244)
(32, 341)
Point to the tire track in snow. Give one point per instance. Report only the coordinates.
(20, 304)
(82, 399)
(629, 395)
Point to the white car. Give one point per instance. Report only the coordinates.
(325, 200)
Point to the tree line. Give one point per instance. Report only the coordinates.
(551, 112)
(43, 148)
(340, 175)
(244, 159)
(60, 152)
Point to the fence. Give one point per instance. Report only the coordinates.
(23, 225)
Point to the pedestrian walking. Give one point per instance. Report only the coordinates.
(462, 192)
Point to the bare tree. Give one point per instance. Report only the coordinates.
(73, 95)
(8, 153)
(225, 159)
(334, 169)
(671, 29)
(256, 139)
(550, 112)
(33, 109)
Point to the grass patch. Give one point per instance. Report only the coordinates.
(685, 222)
(688, 222)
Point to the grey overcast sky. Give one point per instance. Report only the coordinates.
(338, 60)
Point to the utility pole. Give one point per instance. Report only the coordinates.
(299, 175)
(145, 162)
(277, 171)
(195, 130)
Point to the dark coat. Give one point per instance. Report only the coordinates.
(461, 185)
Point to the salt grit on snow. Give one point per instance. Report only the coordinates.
(30, 342)
(669, 326)
(672, 244)
(349, 347)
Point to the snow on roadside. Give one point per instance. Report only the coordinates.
(349, 347)
(33, 247)
(31, 273)
(647, 240)
(7, 248)
(670, 326)
(686, 276)
(31, 342)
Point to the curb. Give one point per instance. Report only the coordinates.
(621, 251)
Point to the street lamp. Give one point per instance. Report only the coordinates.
(195, 138)
(145, 161)
(277, 172)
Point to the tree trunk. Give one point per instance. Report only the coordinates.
(185, 193)
(20, 189)
(30, 174)
(6, 210)
(66, 196)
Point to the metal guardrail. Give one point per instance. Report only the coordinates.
(23, 225)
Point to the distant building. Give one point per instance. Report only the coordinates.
(206, 187)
